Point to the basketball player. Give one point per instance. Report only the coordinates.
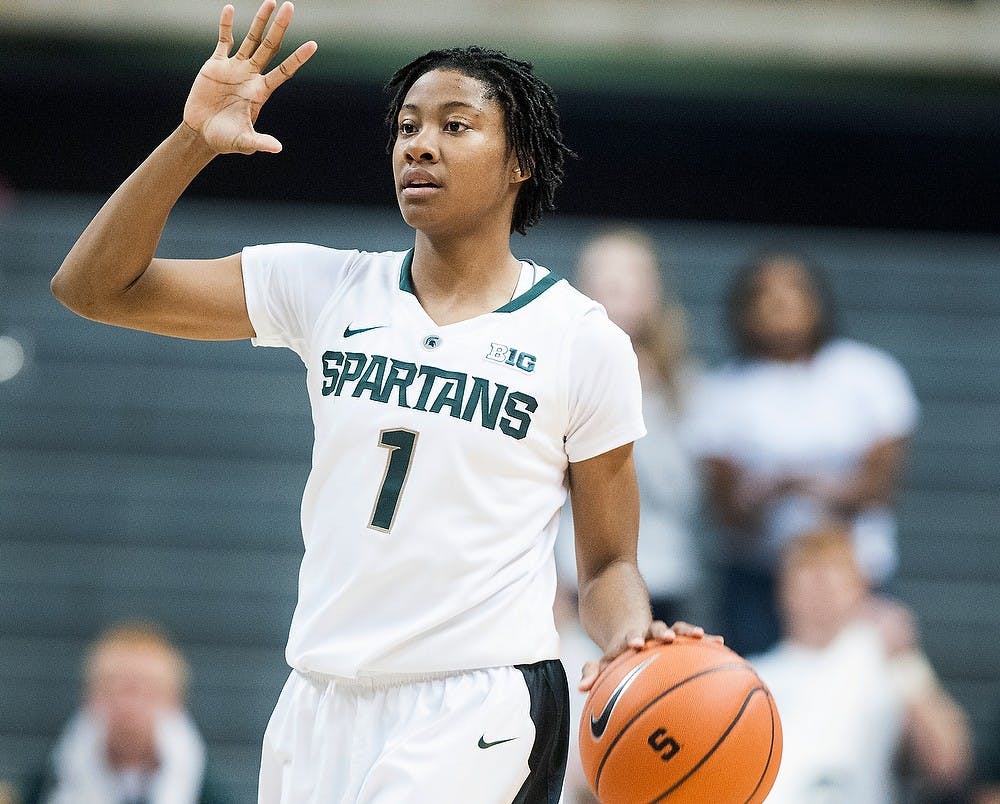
(454, 387)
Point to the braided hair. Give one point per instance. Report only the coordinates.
(531, 119)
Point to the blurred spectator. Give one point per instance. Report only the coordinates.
(801, 427)
(854, 690)
(620, 269)
(132, 742)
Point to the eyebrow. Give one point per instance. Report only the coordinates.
(445, 106)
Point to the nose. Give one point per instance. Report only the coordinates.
(421, 147)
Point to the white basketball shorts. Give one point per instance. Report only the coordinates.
(492, 736)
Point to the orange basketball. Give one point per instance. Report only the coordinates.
(686, 723)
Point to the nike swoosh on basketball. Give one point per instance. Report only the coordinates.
(484, 744)
(598, 726)
(348, 332)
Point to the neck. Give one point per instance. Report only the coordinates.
(458, 278)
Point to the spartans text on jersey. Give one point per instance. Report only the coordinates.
(429, 389)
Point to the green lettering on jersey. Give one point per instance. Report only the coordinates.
(451, 394)
(357, 374)
(519, 408)
(332, 361)
(354, 366)
(429, 373)
(489, 408)
(401, 375)
(373, 378)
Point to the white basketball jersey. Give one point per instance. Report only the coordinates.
(440, 457)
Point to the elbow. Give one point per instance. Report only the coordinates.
(73, 294)
(59, 288)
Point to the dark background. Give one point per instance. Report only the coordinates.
(893, 151)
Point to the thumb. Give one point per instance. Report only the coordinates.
(259, 142)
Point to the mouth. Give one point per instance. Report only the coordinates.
(418, 184)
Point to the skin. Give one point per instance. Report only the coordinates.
(129, 687)
(453, 136)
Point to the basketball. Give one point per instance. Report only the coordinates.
(688, 722)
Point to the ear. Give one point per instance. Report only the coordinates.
(519, 174)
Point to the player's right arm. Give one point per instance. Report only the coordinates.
(112, 274)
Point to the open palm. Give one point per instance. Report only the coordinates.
(229, 91)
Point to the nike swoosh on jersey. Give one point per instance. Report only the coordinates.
(348, 332)
(598, 726)
(484, 744)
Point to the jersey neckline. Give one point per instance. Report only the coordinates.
(532, 293)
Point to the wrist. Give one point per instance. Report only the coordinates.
(193, 144)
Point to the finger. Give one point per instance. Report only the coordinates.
(635, 639)
(225, 33)
(266, 143)
(276, 77)
(253, 141)
(686, 629)
(659, 630)
(253, 38)
(272, 41)
(591, 670)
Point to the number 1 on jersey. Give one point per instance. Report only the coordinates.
(400, 444)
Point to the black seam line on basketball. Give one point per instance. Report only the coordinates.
(771, 707)
(484, 744)
(637, 715)
(713, 749)
(598, 726)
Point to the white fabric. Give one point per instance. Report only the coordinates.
(373, 743)
(814, 419)
(83, 776)
(669, 498)
(841, 719)
(463, 575)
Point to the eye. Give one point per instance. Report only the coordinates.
(406, 127)
(455, 126)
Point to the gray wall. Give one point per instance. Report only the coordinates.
(152, 477)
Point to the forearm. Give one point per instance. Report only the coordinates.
(876, 481)
(120, 242)
(614, 602)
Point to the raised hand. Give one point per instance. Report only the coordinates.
(228, 93)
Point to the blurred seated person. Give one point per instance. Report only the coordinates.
(620, 268)
(132, 741)
(855, 693)
(802, 425)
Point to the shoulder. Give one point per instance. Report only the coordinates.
(309, 255)
(586, 321)
(852, 355)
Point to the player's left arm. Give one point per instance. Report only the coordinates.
(614, 601)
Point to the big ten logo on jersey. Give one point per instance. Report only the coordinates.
(508, 355)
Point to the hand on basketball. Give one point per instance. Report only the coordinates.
(636, 639)
(229, 92)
